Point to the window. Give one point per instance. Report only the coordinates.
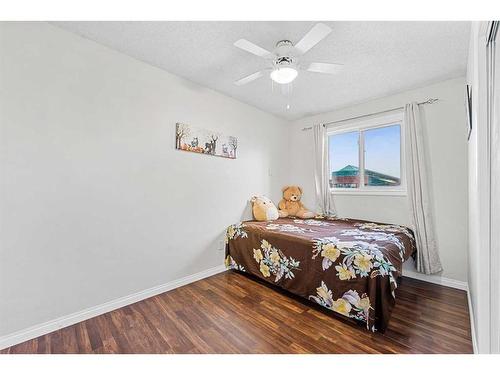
(366, 157)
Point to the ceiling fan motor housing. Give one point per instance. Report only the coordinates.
(283, 48)
(283, 52)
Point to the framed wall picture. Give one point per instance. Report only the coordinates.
(202, 141)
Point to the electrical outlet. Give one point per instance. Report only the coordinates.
(221, 246)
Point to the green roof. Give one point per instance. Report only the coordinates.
(375, 178)
(348, 170)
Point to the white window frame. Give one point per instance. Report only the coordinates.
(361, 126)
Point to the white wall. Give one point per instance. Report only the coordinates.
(445, 134)
(95, 203)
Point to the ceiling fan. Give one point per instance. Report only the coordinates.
(284, 59)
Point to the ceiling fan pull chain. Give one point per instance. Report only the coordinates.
(288, 93)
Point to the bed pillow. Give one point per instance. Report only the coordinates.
(263, 208)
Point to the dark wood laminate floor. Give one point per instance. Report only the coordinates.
(233, 313)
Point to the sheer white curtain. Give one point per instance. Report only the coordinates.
(321, 172)
(418, 193)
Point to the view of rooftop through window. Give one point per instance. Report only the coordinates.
(382, 150)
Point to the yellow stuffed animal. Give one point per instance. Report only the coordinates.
(263, 208)
(291, 205)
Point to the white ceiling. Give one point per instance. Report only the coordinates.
(380, 58)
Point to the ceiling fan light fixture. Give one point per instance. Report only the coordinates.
(284, 75)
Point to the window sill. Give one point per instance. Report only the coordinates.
(368, 192)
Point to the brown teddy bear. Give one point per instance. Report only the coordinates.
(263, 208)
(291, 205)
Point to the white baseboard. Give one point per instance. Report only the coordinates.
(436, 279)
(472, 324)
(65, 321)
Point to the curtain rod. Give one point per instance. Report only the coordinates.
(428, 101)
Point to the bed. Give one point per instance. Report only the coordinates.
(348, 266)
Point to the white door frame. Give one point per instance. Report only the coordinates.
(493, 86)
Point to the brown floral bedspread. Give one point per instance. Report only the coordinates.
(346, 265)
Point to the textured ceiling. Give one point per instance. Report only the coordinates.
(380, 58)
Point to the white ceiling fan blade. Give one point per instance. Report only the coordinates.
(248, 79)
(313, 37)
(325, 68)
(252, 48)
